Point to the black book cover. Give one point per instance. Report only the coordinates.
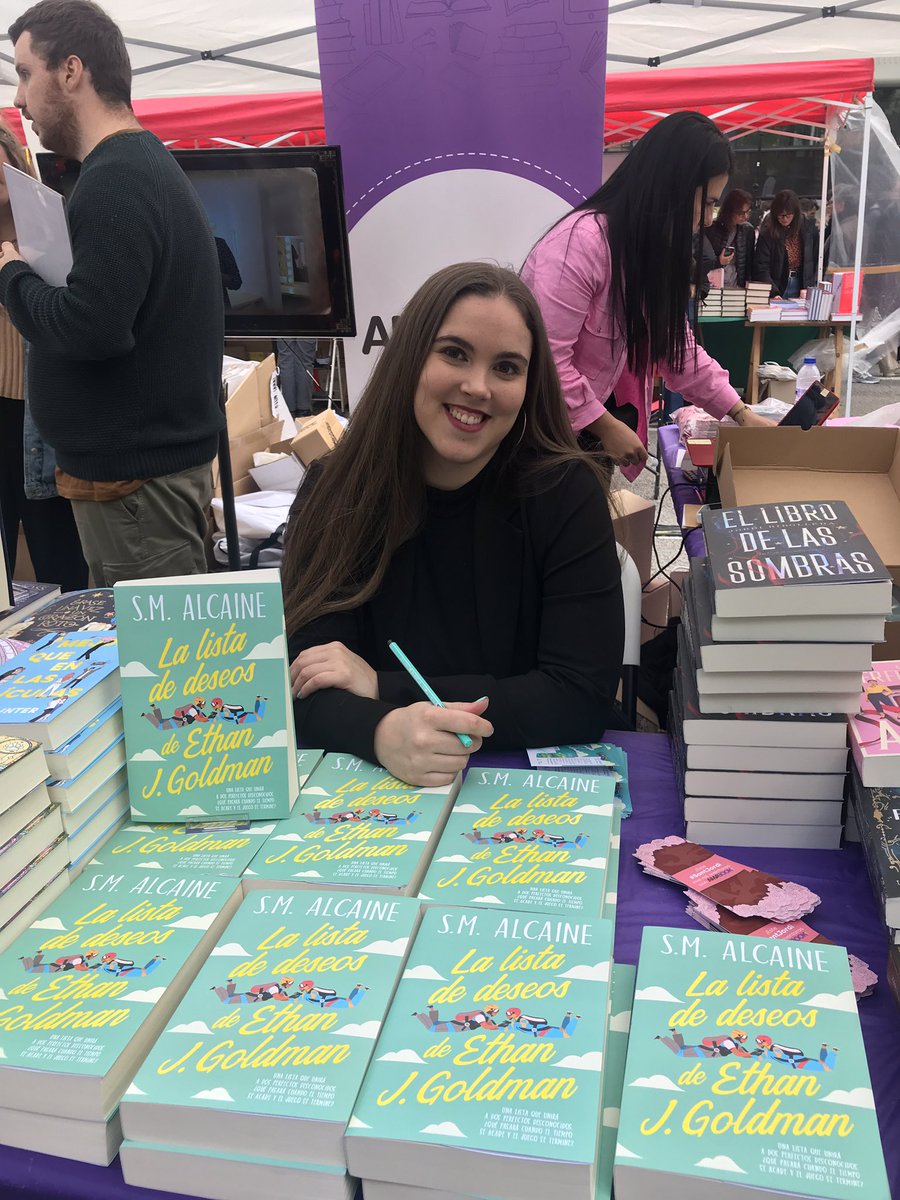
(760, 546)
(878, 818)
(75, 612)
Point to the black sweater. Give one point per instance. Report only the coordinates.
(126, 360)
(526, 605)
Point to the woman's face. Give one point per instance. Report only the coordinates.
(785, 219)
(714, 189)
(471, 388)
(741, 215)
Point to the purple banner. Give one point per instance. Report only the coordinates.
(464, 90)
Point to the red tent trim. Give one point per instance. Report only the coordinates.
(741, 99)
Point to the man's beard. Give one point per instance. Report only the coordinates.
(59, 132)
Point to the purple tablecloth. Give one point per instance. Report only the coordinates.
(848, 914)
(683, 490)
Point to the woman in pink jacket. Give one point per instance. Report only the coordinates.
(613, 279)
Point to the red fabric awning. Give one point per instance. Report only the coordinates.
(740, 99)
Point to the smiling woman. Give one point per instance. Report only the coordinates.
(458, 515)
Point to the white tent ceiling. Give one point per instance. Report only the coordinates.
(203, 47)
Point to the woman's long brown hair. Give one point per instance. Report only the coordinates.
(369, 497)
(15, 151)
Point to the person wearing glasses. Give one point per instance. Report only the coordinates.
(733, 238)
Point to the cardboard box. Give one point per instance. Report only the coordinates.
(857, 465)
(778, 389)
(633, 519)
(248, 406)
(316, 436)
(283, 475)
(677, 579)
(243, 448)
(654, 608)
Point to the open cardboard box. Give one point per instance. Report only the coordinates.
(857, 465)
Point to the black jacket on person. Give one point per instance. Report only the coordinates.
(528, 590)
(744, 243)
(770, 261)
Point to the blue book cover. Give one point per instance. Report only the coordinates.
(45, 689)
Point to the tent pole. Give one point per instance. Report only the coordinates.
(822, 208)
(860, 228)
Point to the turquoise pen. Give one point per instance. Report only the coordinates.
(425, 686)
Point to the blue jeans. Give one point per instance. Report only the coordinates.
(792, 291)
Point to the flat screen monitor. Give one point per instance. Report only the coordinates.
(278, 219)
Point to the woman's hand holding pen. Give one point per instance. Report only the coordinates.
(332, 665)
(419, 743)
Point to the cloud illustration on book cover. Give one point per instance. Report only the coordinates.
(279, 991)
(489, 1018)
(108, 963)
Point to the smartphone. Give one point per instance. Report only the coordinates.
(814, 407)
(728, 251)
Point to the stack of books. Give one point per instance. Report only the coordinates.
(780, 622)
(756, 295)
(746, 1069)
(877, 815)
(819, 300)
(63, 691)
(32, 844)
(354, 826)
(529, 839)
(91, 984)
(489, 1072)
(725, 302)
(875, 728)
(27, 599)
(206, 697)
(252, 1083)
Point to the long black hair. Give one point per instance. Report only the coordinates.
(649, 208)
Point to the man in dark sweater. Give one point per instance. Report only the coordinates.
(125, 362)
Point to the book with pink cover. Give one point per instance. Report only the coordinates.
(875, 729)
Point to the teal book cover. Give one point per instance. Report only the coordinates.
(209, 722)
(41, 686)
(525, 839)
(590, 758)
(282, 1018)
(746, 1069)
(354, 826)
(206, 847)
(91, 972)
(493, 1050)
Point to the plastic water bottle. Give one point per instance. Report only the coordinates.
(808, 374)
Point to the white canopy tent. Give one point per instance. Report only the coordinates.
(227, 47)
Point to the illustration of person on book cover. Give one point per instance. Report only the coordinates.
(500, 838)
(325, 997)
(339, 818)
(383, 818)
(111, 964)
(67, 962)
(795, 1057)
(237, 712)
(540, 1027)
(259, 993)
(677, 1045)
(463, 1022)
(559, 841)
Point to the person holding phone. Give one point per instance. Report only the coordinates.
(733, 238)
(787, 249)
(613, 279)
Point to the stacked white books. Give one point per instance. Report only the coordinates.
(32, 844)
(756, 296)
(63, 691)
(725, 302)
(779, 622)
